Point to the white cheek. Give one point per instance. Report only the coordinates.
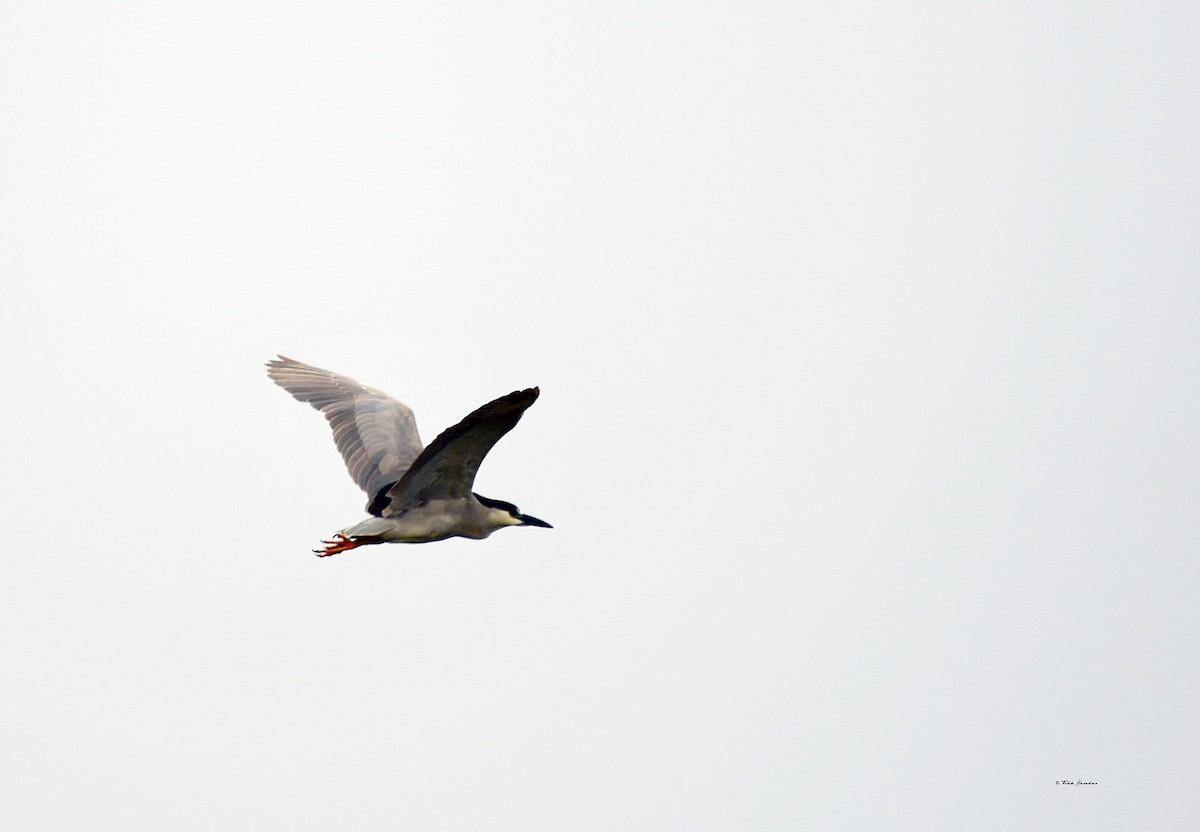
(503, 518)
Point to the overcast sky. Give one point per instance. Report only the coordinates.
(867, 342)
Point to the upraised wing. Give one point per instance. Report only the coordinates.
(376, 435)
(447, 468)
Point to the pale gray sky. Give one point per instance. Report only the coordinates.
(867, 343)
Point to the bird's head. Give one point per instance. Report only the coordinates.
(506, 514)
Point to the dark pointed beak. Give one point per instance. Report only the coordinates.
(533, 521)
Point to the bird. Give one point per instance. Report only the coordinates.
(415, 494)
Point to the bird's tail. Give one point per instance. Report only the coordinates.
(371, 527)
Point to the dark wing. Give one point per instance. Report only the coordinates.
(448, 466)
(376, 434)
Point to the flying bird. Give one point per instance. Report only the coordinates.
(416, 495)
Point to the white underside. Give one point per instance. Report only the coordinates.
(436, 520)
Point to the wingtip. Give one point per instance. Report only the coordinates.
(526, 397)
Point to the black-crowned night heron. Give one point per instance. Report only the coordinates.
(415, 495)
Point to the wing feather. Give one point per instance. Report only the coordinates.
(375, 434)
(447, 468)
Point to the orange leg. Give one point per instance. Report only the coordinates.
(341, 543)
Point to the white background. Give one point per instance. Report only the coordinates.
(867, 341)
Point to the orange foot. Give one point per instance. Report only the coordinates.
(341, 543)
